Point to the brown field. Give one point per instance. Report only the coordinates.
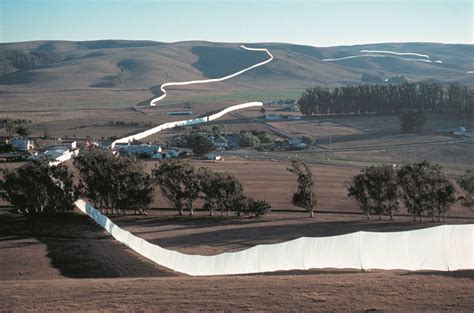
(68, 263)
(55, 263)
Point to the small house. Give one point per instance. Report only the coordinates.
(272, 117)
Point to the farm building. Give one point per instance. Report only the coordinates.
(22, 144)
(219, 143)
(140, 149)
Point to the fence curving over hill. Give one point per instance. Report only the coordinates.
(440, 248)
(213, 80)
(195, 121)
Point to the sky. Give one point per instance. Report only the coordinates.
(315, 23)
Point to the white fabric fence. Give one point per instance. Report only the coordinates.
(193, 121)
(214, 80)
(441, 248)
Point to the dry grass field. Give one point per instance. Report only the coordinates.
(68, 263)
(54, 263)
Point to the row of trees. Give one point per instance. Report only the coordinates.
(422, 187)
(384, 99)
(182, 184)
(117, 184)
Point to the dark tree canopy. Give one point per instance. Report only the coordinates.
(221, 191)
(387, 98)
(39, 188)
(425, 190)
(22, 131)
(375, 190)
(466, 182)
(251, 207)
(412, 122)
(248, 139)
(304, 197)
(179, 183)
(200, 144)
(114, 184)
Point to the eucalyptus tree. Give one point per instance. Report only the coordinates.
(220, 191)
(466, 182)
(39, 188)
(113, 183)
(425, 189)
(375, 190)
(304, 197)
(179, 183)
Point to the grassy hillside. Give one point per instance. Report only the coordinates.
(125, 73)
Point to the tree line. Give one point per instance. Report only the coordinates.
(117, 185)
(385, 99)
(16, 59)
(422, 188)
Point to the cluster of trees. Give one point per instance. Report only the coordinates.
(11, 60)
(422, 187)
(182, 184)
(198, 142)
(114, 184)
(16, 126)
(117, 184)
(412, 122)
(253, 138)
(391, 98)
(39, 188)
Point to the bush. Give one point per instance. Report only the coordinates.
(308, 140)
(265, 137)
(247, 139)
(252, 207)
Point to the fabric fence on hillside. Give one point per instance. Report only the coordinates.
(441, 248)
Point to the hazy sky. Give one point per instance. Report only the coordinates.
(317, 23)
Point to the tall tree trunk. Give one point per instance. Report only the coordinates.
(311, 213)
(368, 215)
(191, 211)
(391, 215)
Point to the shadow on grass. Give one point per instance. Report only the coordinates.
(455, 274)
(77, 246)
